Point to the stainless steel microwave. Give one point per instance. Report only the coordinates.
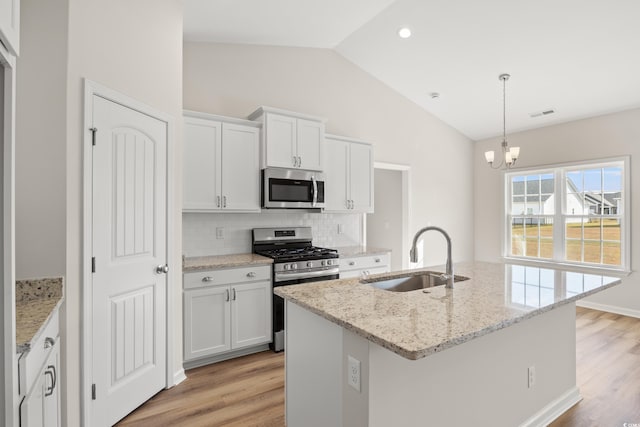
(292, 189)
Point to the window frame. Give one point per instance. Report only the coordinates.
(559, 172)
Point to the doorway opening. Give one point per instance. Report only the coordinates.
(388, 226)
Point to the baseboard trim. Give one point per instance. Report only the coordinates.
(225, 356)
(609, 308)
(553, 410)
(178, 377)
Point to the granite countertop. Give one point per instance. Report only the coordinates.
(222, 261)
(355, 251)
(36, 300)
(416, 324)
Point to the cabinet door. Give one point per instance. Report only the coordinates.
(335, 174)
(10, 24)
(201, 164)
(251, 314)
(206, 322)
(51, 382)
(361, 177)
(280, 141)
(240, 167)
(32, 406)
(310, 138)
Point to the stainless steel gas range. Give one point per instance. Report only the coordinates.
(295, 261)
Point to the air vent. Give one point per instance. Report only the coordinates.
(542, 113)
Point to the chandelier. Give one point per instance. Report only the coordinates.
(509, 154)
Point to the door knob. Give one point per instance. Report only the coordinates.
(162, 269)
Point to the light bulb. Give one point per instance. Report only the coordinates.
(515, 152)
(507, 158)
(488, 155)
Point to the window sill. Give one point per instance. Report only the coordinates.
(567, 266)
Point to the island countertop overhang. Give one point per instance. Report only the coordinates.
(416, 324)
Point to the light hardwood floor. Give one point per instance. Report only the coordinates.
(249, 391)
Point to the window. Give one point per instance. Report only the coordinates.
(570, 214)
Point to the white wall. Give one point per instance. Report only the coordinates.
(41, 139)
(234, 80)
(136, 49)
(199, 230)
(594, 138)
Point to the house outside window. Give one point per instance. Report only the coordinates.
(570, 214)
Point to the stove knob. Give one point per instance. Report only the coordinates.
(286, 266)
(329, 262)
(309, 264)
(323, 263)
(294, 266)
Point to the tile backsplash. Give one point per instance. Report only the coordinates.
(200, 230)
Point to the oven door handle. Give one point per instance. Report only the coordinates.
(314, 191)
(282, 276)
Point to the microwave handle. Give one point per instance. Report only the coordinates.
(314, 191)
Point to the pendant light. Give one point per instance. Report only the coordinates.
(509, 154)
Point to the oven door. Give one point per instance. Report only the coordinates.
(290, 188)
(278, 307)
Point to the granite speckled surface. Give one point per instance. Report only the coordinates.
(222, 261)
(416, 324)
(356, 251)
(36, 300)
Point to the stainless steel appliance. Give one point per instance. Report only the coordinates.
(295, 261)
(292, 188)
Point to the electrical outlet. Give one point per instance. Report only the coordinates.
(219, 232)
(353, 373)
(532, 376)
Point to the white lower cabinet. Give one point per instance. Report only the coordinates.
(366, 265)
(226, 310)
(40, 406)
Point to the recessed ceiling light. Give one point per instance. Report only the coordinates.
(404, 32)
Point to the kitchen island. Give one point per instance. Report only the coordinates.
(498, 349)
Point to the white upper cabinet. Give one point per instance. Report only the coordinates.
(202, 186)
(240, 167)
(348, 175)
(10, 25)
(310, 144)
(221, 165)
(281, 136)
(336, 173)
(361, 176)
(290, 140)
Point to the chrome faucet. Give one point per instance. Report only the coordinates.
(413, 253)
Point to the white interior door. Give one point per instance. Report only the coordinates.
(129, 242)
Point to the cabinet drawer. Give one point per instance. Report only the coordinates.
(227, 276)
(364, 262)
(30, 363)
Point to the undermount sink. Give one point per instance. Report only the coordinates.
(412, 282)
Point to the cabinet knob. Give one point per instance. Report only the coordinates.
(251, 274)
(49, 342)
(377, 259)
(207, 279)
(352, 263)
(162, 269)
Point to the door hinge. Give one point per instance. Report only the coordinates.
(93, 392)
(93, 135)
(93, 264)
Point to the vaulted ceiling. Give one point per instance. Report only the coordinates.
(579, 58)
